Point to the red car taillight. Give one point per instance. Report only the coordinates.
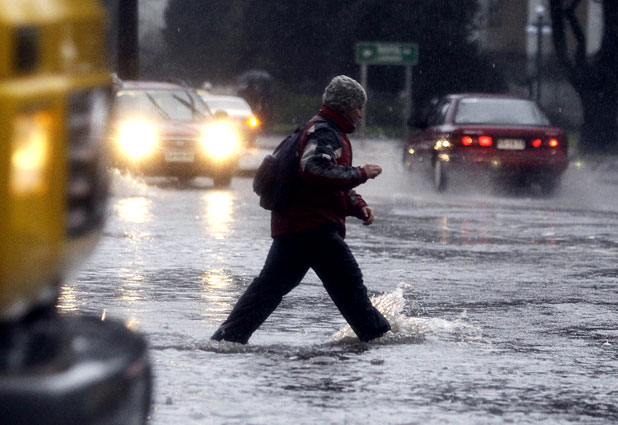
(552, 143)
(484, 141)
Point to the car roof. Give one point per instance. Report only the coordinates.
(458, 96)
(222, 97)
(150, 85)
(235, 106)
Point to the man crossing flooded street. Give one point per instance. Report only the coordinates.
(309, 232)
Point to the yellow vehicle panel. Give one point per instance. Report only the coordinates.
(53, 84)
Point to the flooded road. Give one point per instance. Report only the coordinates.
(504, 306)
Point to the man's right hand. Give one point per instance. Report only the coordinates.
(372, 170)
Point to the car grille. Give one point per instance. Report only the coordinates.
(87, 183)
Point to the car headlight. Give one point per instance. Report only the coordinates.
(30, 153)
(220, 140)
(442, 144)
(253, 122)
(136, 138)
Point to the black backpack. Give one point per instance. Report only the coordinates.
(277, 178)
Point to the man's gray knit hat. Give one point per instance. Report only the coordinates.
(344, 93)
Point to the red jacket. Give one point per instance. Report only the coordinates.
(325, 196)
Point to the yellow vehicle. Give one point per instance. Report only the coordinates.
(54, 94)
(54, 89)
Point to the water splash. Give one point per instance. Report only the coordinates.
(406, 329)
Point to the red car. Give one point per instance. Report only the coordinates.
(505, 139)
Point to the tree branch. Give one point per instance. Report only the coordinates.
(558, 35)
(578, 33)
(608, 52)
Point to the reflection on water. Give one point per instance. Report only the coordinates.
(463, 229)
(68, 301)
(216, 285)
(444, 239)
(215, 279)
(218, 212)
(132, 324)
(131, 289)
(134, 210)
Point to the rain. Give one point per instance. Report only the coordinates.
(502, 305)
(501, 298)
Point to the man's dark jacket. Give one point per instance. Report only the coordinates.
(325, 196)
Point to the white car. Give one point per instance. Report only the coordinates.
(163, 129)
(236, 110)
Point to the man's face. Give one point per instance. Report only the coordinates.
(355, 115)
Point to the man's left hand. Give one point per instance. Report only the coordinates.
(367, 214)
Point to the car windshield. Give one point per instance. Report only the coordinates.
(176, 105)
(499, 112)
(228, 104)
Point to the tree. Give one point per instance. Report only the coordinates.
(449, 59)
(304, 43)
(593, 76)
(203, 37)
(292, 40)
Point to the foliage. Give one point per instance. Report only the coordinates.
(203, 37)
(592, 76)
(448, 60)
(304, 43)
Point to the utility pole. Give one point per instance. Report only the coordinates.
(539, 28)
(128, 40)
(363, 82)
(540, 11)
(407, 106)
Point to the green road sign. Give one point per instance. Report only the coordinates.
(376, 53)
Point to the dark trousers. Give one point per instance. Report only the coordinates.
(289, 259)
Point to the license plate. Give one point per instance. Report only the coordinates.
(511, 144)
(179, 156)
